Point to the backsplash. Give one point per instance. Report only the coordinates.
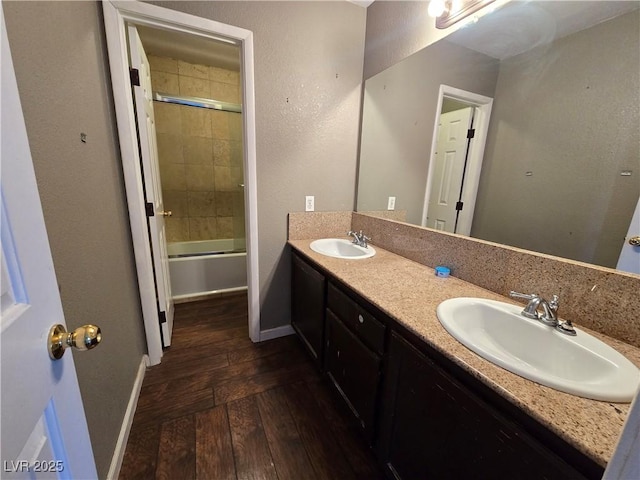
(598, 298)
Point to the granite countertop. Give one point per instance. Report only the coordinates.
(410, 292)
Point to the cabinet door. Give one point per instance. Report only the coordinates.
(307, 307)
(355, 370)
(432, 427)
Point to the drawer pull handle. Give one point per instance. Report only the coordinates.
(360, 318)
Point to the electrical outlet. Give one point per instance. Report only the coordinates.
(309, 203)
(392, 203)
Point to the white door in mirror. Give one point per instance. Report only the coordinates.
(629, 260)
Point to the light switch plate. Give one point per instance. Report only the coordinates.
(391, 205)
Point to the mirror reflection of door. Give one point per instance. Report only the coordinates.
(449, 166)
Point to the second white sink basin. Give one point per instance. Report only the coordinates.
(341, 248)
(580, 365)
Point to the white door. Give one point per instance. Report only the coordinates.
(629, 260)
(143, 98)
(448, 169)
(44, 430)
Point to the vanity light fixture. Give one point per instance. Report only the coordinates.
(448, 12)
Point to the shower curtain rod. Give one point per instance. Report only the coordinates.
(198, 102)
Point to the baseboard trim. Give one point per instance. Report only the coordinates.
(277, 332)
(121, 444)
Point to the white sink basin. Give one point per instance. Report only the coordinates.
(341, 248)
(580, 365)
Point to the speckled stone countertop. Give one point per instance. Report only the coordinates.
(410, 292)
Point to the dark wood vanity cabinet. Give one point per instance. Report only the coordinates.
(432, 426)
(354, 345)
(308, 287)
(425, 416)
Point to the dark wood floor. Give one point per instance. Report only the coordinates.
(221, 407)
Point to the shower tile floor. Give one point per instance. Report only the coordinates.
(221, 407)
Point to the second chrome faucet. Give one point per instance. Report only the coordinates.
(549, 313)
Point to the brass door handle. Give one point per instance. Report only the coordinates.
(82, 338)
(635, 241)
(168, 213)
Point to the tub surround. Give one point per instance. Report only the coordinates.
(406, 289)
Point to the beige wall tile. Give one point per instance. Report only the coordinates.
(175, 202)
(238, 227)
(238, 203)
(200, 178)
(224, 204)
(169, 148)
(167, 116)
(222, 153)
(172, 177)
(225, 227)
(193, 70)
(235, 126)
(202, 204)
(237, 177)
(163, 64)
(223, 179)
(165, 82)
(196, 122)
(194, 87)
(202, 228)
(225, 92)
(197, 150)
(220, 125)
(223, 75)
(237, 153)
(177, 229)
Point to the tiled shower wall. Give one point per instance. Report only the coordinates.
(200, 152)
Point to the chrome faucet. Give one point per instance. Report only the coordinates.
(359, 238)
(549, 314)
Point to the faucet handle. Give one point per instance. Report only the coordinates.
(554, 303)
(524, 296)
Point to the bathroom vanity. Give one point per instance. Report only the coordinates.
(427, 406)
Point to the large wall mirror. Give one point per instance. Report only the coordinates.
(559, 165)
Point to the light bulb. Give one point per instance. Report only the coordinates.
(436, 8)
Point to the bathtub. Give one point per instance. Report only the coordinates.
(202, 268)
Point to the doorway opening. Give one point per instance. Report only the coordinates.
(457, 149)
(147, 208)
(198, 118)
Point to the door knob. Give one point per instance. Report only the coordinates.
(635, 241)
(85, 337)
(166, 214)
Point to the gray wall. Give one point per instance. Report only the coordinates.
(569, 113)
(308, 72)
(399, 113)
(58, 50)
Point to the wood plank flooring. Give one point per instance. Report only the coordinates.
(221, 407)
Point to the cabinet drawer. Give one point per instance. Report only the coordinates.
(359, 320)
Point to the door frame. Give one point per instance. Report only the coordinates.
(116, 15)
(481, 119)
